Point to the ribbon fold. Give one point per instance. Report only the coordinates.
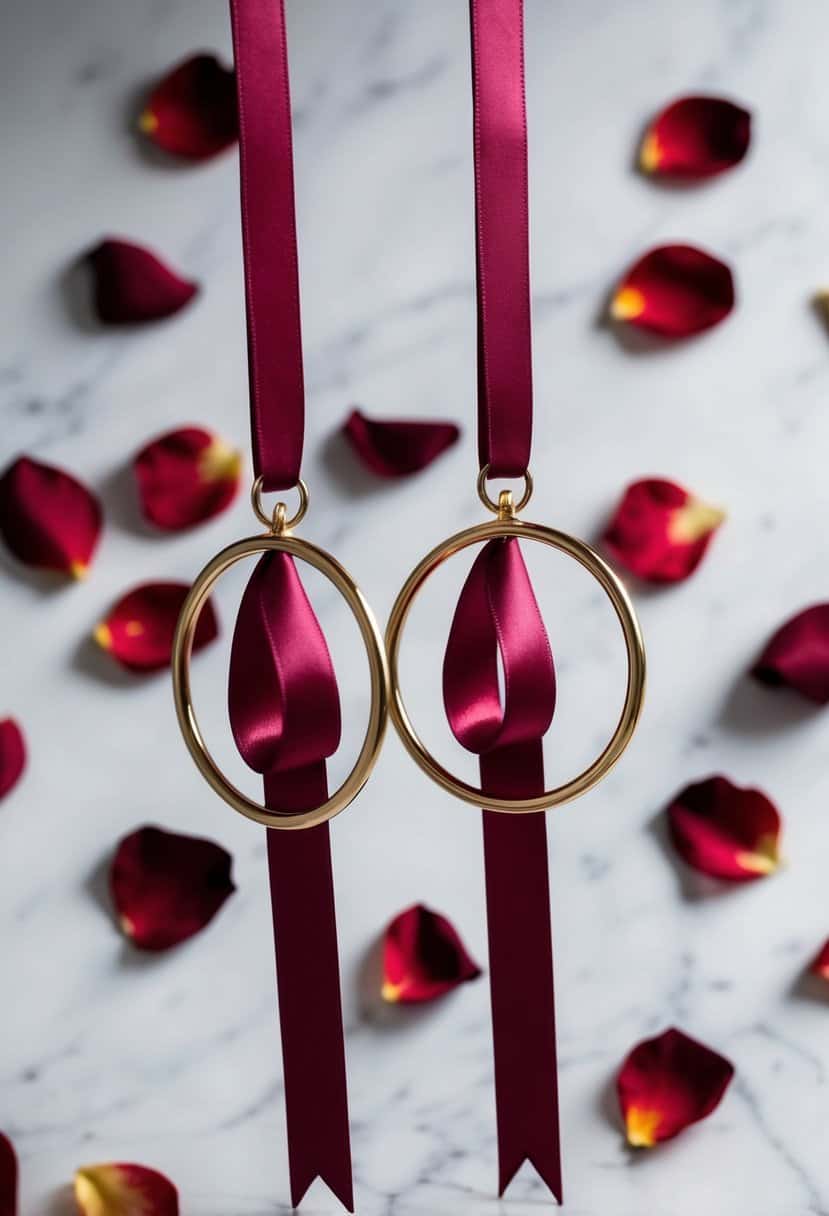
(285, 715)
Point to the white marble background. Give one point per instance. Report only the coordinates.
(173, 1061)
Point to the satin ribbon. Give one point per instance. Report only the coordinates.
(283, 698)
(497, 612)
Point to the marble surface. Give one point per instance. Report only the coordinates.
(174, 1061)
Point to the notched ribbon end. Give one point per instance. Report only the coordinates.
(550, 1174)
(342, 1191)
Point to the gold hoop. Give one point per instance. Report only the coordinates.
(498, 508)
(378, 670)
(277, 522)
(503, 527)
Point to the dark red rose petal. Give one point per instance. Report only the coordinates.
(820, 966)
(8, 1177)
(660, 532)
(48, 519)
(696, 137)
(725, 831)
(12, 755)
(139, 629)
(124, 1190)
(797, 656)
(423, 957)
(192, 112)
(133, 285)
(667, 1083)
(167, 887)
(391, 448)
(186, 477)
(674, 291)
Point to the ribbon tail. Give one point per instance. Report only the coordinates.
(521, 970)
(310, 1005)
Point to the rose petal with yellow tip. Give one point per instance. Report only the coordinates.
(122, 1189)
(423, 957)
(660, 531)
(696, 137)
(726, 831)
(666, 1084)
(674, 291)
(8, 1177)
(820, 965)
(185, 477)
(192, 112)
(138, 631)
(167, 887)
(48, 519)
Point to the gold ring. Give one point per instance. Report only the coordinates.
(497, 507)
(634, 694)
(378, 670)
(277, 521)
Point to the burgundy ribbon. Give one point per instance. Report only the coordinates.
(283, 698)
(497, 612)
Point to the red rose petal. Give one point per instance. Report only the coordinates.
(674, 291)
(798, 655)
(423, 957)
(124, 1190)
(185, 477)
(167, 887)
(139, 629)
(660, 532)
(48, 519)
(820, 966)
(132, 284)
(192, 111)
(12, 755)
(725, 831)
(667, 1083)
(8, 1177)
(696, 137)
(391, 448)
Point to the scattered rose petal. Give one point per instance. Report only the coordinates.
(674, 291)
(132, 284)
(696, 137)
(168, 887)
(186, 477)
(8, 1177)
(798, 655)
(391, 448)
(667, 1083)
(124, 1190)
(139, 629)
(660, 532)
(192, 112)
(423, 957)
(12, 755)
(48, 519)
(820, 966)
(725, 831)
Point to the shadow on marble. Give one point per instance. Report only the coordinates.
(751, 708)
(120, 498)
(91, 661)
(809, 987)
(693, 886)
(380, 1014)
(345, 470)
(45, 582)
(62, 1203)
(76, 287)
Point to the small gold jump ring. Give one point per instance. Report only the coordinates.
(496, 507)
(276, 521)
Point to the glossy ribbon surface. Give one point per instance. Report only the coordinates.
(497, 614)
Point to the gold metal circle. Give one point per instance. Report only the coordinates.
(378, 670)
(277, 522)
(634, 693)
(498, 508)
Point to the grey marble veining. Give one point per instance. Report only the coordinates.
(174, 1061)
